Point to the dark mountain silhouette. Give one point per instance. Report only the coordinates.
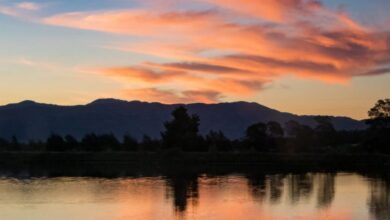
(30, 120)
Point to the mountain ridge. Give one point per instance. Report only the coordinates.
(30, 120)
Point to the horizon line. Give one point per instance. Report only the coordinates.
(170, 104)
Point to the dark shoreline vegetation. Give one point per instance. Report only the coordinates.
(270, 144)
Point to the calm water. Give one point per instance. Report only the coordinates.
(308, 196)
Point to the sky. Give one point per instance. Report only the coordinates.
(328, 57)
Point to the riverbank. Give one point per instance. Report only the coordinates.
(120, 163)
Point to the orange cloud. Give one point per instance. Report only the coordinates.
(135, 22)
(171, 97)
(274, 10)
(238, 47)
(141, 74)
(182, 80)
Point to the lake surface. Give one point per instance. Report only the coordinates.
(311, 196)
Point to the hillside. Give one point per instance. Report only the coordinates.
(30, 120)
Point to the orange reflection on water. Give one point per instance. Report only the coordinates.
(310, 196)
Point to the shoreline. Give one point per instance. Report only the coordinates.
(117, 164)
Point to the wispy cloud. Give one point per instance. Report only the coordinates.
(171, 96)
(273, 10)
(34, 63)
(128, 21)
(21, 9)
(31, 6)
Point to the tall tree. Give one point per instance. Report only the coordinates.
(90, 142)
(15, 145)
(275, 133)
(325, 131)
(274, 129)
(256, 136)
(380, 114)
(149, 144)
(4, 144)
(182, 131)
(71, 142)
(55, 142)
(301, 137)
(108, 142)
(379, 133)
(218, 141)
(129, 143)
(292, 128)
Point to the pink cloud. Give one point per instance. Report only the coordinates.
(274, 10)
(146, 76)
(135, 22)
(31, 6)
(171, 97)
(237, 48)
(20, 10)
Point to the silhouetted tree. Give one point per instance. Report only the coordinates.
(182, 131)
(274, 129)
(218, 141)
(149, 144)
(380, 115)
(15, 145)
(71, 143)
(55, 143)
(300, 137)
(108, 142)
(305, 140)
(275, 135)
(324, 124)
(378, 135)
(256, 137)
(350, 141)
(292, 128)
(129, 143)
(99, 143)
(4, 144)
(37, 146)
(90, 142)
(325, 131)
(239, 145)
(381, 109)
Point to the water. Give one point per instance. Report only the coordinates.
(311, 196)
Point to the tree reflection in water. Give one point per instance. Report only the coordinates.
(276, 187)
(379, 201)
(326, 189)
(182, 189)
(299, 186)
(257, 185)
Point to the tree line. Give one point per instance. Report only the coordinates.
(182, 134)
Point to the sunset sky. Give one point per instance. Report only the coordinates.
(302, 56)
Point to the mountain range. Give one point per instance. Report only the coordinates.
(29, 120)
